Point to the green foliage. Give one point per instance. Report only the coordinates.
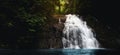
(21, 18)
(28, 17)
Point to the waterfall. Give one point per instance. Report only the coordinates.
(77, 34)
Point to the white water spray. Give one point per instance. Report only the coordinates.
(77, 34)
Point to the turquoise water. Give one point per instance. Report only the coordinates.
(59, 52)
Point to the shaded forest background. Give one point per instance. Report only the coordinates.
(29, 23)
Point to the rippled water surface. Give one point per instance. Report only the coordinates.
(59, 52)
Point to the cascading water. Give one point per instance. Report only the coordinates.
(77, 34)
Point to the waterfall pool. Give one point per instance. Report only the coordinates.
(59, 52)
